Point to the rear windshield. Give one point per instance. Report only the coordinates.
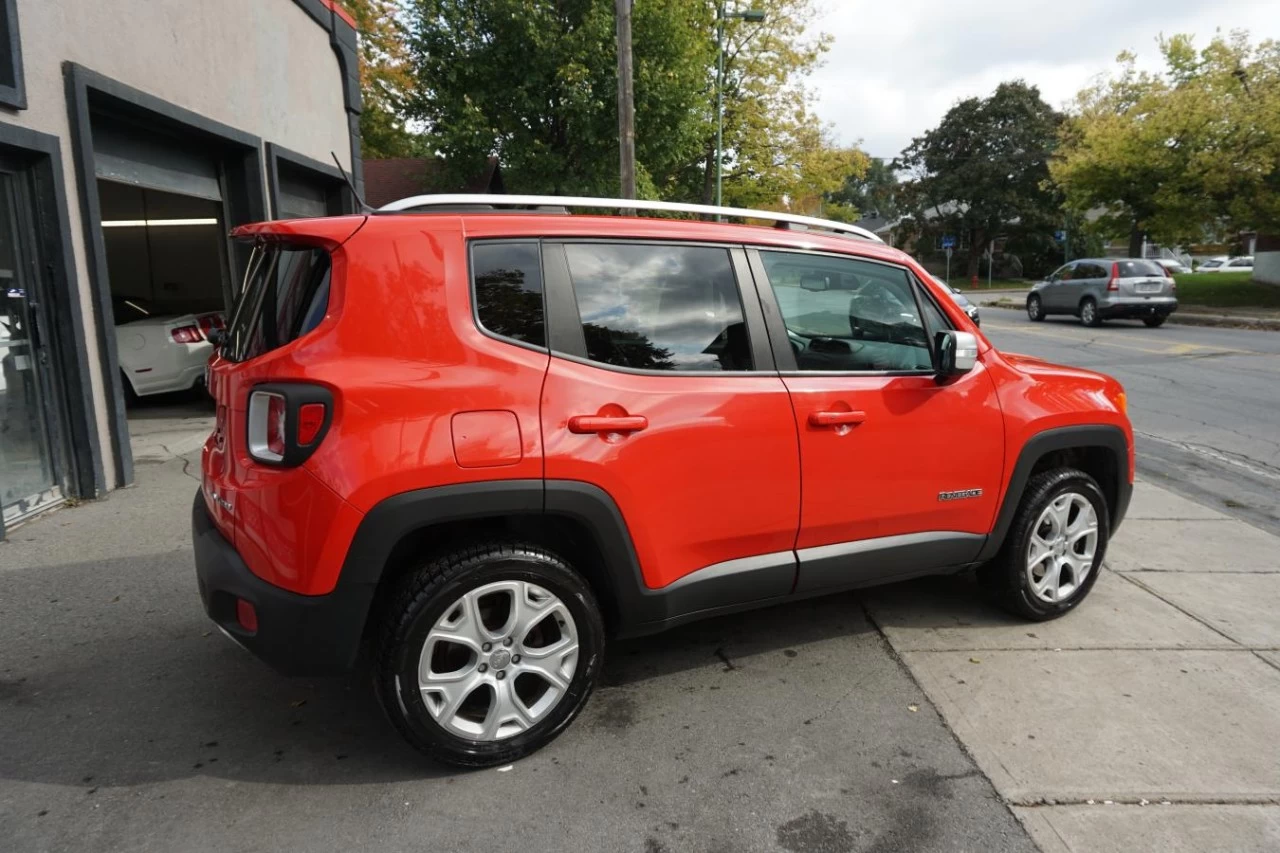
(1139, 269)
(285, 295)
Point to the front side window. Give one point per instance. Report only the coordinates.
(507, 278)
(659, 307)
(849, 315)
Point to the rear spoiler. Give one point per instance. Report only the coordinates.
(329, 232)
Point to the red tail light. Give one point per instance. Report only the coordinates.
(1114, 283)
(187, 335)
(210, 322)
(286, 422)
(247, 615)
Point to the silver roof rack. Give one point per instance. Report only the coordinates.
(476, 201)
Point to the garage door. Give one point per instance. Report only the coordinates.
(299, 199)
(129, 155)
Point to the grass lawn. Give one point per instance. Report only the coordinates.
(1226, 290)
(996, 284)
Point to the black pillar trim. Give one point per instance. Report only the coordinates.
(278, 153)
(62, 297)
(241, 157)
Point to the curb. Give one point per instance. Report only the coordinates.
(1224, 321)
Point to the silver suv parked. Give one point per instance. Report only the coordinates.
(1097, 289)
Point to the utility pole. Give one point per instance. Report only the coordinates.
(626, 102)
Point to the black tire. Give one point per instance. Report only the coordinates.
(1089, 312)
(1155, 322)
(1035, 310)
(1006, 578)
(426, 594)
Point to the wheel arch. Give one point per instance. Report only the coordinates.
(1100, 450)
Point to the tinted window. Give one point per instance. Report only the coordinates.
(508, 289)
(659, 307)
(844, 314)
(285, 295)
(1063, 273)
(1139, 269)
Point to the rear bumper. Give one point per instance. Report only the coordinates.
(1137, 306)
(296, 634)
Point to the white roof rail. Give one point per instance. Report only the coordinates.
(424, 203)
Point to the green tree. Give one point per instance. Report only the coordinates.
(873, 192)
(385, 80)
(1170, 154)
(534, 81)
(985, 166)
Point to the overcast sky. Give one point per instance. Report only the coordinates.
(896, 66)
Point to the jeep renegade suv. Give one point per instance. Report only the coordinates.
(476, 443)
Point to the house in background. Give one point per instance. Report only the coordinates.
(389, 180)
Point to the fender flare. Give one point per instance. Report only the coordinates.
(1106, 436)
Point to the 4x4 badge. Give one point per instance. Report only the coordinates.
(959, 495)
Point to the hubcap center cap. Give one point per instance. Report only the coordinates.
(500, 659)
(1060, 547)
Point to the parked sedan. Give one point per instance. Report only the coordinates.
(968, 307)
(1240, 264)
(1097, 289)
(162, 353)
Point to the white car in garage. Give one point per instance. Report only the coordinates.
(161, 353)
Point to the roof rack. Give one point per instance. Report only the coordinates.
(480, 202)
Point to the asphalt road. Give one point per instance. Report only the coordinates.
(129, 724)
(1205, 402)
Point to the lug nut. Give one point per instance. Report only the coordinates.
(487, 646)
(484, 667)
(507, 641)
(501, 674)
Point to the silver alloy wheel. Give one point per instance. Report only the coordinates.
(1063, 544)
(1033, 307)
(1087, 312)
(498, 660)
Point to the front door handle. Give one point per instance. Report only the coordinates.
(583, 424)
(835, 419)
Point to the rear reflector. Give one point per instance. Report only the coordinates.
(310, 420)
(246, 615)
(187, 335)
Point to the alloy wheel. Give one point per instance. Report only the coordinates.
(498, 660)
(1062, 547)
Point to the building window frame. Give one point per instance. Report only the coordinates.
(13, 87)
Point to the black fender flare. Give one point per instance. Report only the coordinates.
(1106, 436)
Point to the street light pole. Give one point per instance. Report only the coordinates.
(754, 16)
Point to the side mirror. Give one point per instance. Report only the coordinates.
(957, 353)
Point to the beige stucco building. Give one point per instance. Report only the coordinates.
(170, 121)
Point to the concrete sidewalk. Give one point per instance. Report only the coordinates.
(1149, 719)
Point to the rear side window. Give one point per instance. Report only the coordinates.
(659, 307)
(507, 279)
(1139, 269)
(285, 295)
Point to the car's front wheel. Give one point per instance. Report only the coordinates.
(488, 652)
(1053, 551)
(1034, 309)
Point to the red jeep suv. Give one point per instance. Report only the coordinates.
(476, 442)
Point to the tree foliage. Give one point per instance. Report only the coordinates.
(385, 80)
(985, 167)
(874, 192)
(1195, 146)
(534, 81)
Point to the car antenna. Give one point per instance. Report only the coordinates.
(351, 186)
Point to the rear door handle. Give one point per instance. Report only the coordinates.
(583, 424)
(831, 419)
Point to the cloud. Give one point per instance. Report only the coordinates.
(896, 67)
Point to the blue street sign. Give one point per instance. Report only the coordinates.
(948, 242)
(1060, 236)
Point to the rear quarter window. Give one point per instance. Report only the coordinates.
(285, 295)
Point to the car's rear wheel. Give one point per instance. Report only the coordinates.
(1154, 322)
(1034, 309)
(1089, 312)
(488, 652)
(1053, 551)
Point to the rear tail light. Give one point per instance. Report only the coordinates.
(287, 422)
(187, 334)
(1114, 283)
(1173, 285)
(209, 323)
